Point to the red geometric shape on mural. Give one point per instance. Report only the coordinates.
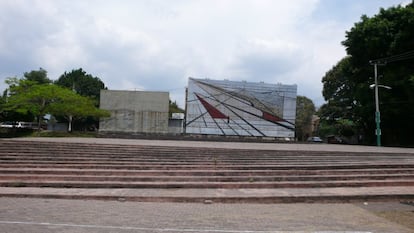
(270, 117)
(214, 112)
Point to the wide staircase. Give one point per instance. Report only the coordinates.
(188, 174)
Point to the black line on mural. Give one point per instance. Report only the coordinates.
(251, 125)
(263, 117)
(268, 113)
(240, 108)
(242, 118)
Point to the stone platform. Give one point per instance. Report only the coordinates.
(206, 172)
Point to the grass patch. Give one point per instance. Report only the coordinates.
(13, 133)
(55, 134)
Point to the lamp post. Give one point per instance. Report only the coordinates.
(377, 111)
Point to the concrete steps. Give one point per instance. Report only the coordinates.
(46, 166)
(203, 185)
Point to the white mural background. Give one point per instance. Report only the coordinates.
(224, 107)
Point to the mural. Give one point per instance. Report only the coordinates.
(240, 108)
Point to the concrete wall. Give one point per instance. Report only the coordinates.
(135, 111)
(175, 126)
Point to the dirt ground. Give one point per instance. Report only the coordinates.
(401, 213)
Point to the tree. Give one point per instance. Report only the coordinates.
(86, 85)
(346, 86)
(305, 109)
(2, 104)
(38, 76)
(42, 99)
(73, 106)
(337, 116)
(173, 108)
(36, 100)
(22, 85)
(338, 90)
(82, 83)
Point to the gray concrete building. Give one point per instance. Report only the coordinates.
(134, 111)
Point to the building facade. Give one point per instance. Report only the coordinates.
(134, 111)
(240, 108)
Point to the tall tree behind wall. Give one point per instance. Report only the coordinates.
(82, 83)
(85, 85)
(386, 34)
(305, 109)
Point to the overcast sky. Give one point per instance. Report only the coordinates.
(156, 45)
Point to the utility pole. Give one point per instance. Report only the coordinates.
(377, 111)
(384, 61)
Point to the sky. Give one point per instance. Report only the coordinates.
(156, 45)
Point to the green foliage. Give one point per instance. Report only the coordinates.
(326, 129)
(305, 109)
(20, 86)
(37, 76)
(346, 85)
(65, 134)
(82, 83)
(35, 99)
(173, 108)
(73, 106)
(85, 85)
(41, 99)
(346, 128)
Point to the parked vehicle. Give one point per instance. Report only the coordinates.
(315, 139)
(11, 124)
(21, 125)
(335, 140)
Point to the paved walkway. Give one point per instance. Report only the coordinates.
(69, 216)
(203, 195)
(228, 145)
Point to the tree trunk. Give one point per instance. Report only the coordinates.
(70, 123)
(39, 123)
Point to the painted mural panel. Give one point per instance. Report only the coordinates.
(240, 108)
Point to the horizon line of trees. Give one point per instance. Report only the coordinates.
(73, 98)
(350, 103)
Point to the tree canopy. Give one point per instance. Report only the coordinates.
(73, 106)
(82, 83)
(346, 85)
(85, 85)
(38, 76)
(305, 109)
(30, 96)
(20, 86)
(174, 108)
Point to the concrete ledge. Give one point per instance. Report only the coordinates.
(323, 195)
(223, 145)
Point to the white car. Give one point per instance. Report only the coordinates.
(10, 124)
(16, 124)
(314, 139)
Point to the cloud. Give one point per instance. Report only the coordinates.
(270, 59)
(157, 45)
